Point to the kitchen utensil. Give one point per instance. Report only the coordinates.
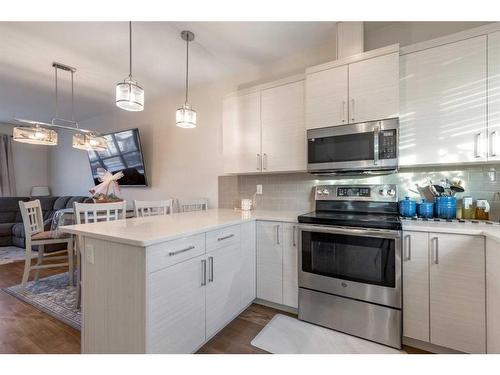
(456, 187)
(482, 209)
(440, 189)
(426, 193)
(407, 207)
(426, 209)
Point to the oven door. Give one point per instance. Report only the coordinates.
(367, 146)
(364, 264)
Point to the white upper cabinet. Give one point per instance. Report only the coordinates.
(374, 88)
(283, 129)
(327, 97)
(241, 134)
(494, 96)
(443, 104)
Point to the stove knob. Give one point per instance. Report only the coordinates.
(319, 192)
(391, 192)
(326, 192)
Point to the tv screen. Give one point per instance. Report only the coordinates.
(124, 154)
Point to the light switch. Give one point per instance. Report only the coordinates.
(89, 252)
(259, 189)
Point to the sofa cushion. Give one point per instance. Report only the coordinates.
(60, 203)
(6, 229)
(9, 209)
(8, 217)
(18, 230)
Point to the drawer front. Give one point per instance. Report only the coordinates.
(172, 252)
(223, 237)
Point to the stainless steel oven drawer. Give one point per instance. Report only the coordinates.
(366, 320)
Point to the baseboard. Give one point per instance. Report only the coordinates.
(428, 347)
(277, 306)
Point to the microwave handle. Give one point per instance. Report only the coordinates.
(376, 132)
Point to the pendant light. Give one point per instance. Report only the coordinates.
(185, 117)
(129, 95)
(40, 133)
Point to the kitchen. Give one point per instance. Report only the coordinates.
(330, 197)
(353, 148)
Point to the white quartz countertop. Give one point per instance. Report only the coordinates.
(476, 229)
(156, 229)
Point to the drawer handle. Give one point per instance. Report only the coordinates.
(225, 237)
(172, 253)
(211, 269)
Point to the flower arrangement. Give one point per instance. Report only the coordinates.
(108, 190)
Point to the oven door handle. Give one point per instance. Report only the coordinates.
(380, 233)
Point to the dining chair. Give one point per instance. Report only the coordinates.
(35, 235)
(188, 205)
(93, 213)
(153, 208)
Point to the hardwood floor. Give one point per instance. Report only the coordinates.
(25, 329)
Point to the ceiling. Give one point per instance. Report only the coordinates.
(99, 51)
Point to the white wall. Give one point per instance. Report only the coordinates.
(30, 164)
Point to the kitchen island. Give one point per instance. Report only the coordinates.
(167, 284)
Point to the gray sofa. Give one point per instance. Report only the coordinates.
(11, 222)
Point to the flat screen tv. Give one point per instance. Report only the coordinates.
(124, 154)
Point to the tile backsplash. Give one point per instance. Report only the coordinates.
(294, 191)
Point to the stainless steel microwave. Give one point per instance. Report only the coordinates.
(362, 148)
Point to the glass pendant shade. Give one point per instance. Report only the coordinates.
(130, 96)
(185, 117)
(35, 135)
(89, 141)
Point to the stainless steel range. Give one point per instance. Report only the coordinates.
(350, 262)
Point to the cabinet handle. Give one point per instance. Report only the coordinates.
(343, 110)
(493, 143)
(210, 269)
(477, 146)
(278, 241)
(264, 161)
(436, 249)
(352, 110)
(258, 162)
(294, 241)
(203, 272)
(408, 246)
(172, 253)
(225, 237)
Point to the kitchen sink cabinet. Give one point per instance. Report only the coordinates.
(357, 89)
(264, 130)
(416, 285)
(444, 290)
(277, 263)
(443, 99)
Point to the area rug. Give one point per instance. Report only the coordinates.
(11, 254)
(53, 296)
(287, 335)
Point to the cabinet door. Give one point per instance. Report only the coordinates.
(416, 285)
(290, 266)
(248, 264)
(374, 88)
(223, 287)
(443, 104)
(493, 295)
(283, 128)
(241, 134)
(457, 292)
(176, 313)
(326, 98)
(493, 96)
(270, 261)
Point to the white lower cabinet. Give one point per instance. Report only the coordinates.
(248, 264)
(277, 263)
(176, 319)
(454, 313)
(493, 295)
(416, 285)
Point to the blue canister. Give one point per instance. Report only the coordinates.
(446, 207)
(426, 209)
(407, 207)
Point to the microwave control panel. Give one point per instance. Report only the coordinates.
(387, 144)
